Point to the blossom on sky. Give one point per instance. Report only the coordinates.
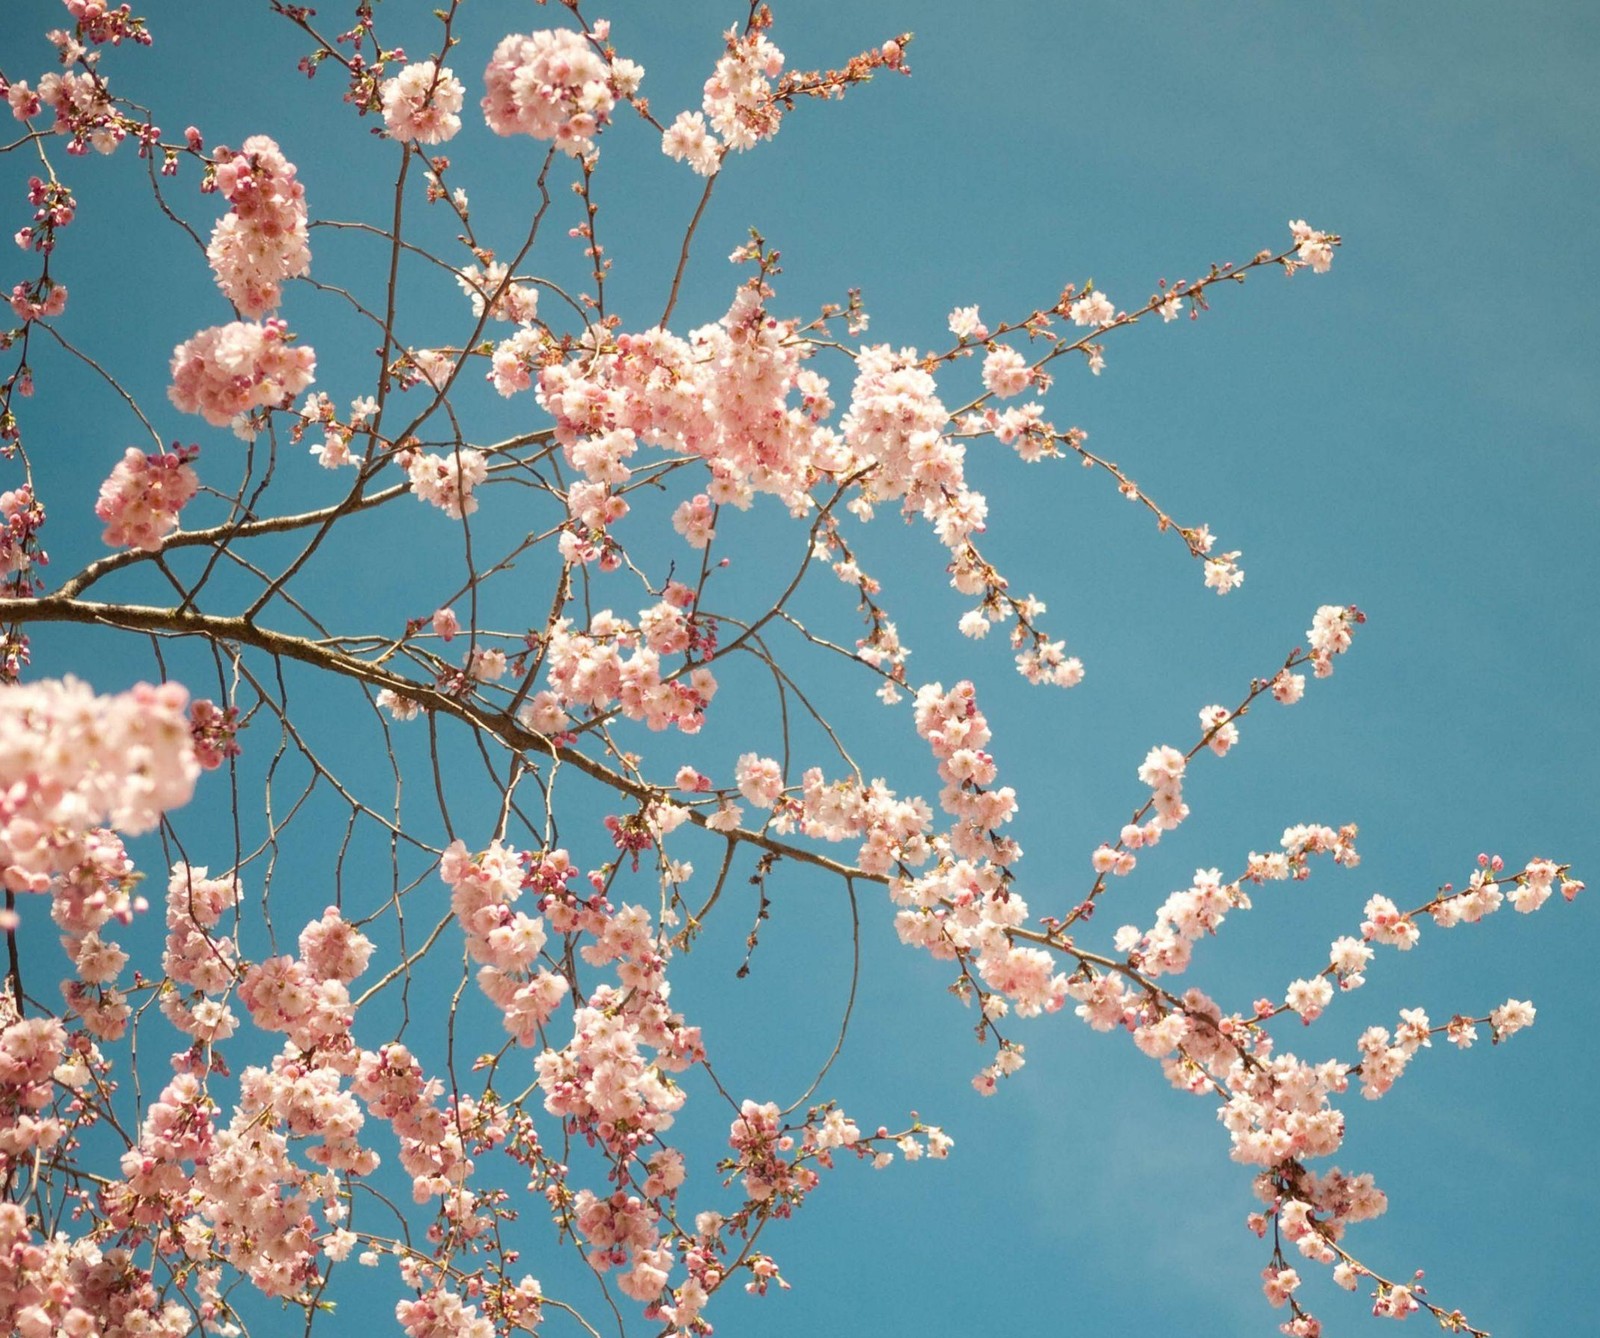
(447, 478)
(555, 85)
(423, 103)
(229, 370)
(141, 499)
(262, 241)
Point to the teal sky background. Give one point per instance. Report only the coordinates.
(1413, 432)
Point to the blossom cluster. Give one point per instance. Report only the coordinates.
(446, 479)
(507, 943)
(738, 101)
(141, 499)
(590, 669)
(262, 240)
(423, 103)
(556, 85)
(82, 107)
(21, 517)
(71, 761)
(226, 371)
(490, 288)
(965, 906)
(64, 1286)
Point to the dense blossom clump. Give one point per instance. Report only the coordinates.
(555, 85)
(229, 370)
(71, 761)
(423, 103)
(262, 241)
(141, 500)
(447, 479)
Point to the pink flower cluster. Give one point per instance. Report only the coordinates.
(440, 1313)
(719, 394)
(422, 103)
(98, 23)
(956, 731)
(760, 780)
(1330, 634)
(198, 960)
(229, 370)
(141, 499)
(506, 942)
(1299, 843)
(21, 518)
(1279, 1108)
(894, 429)
(965, 907)
(447, 479)
(723, 393)
(238, 1190)
(555, 85)
(262, 241)
(61, 1286)
(82, 106)
(1312, 247)
(71, 761)
(1006, 372)
(35, 301)
(84, 900)
(215, 731)
(514, 358)
(30, 1050)
(610, 1083)
(1185, 918)
(738, 99)
(1162, 770)
(589, 669)
(491, 287)
(760, 1143)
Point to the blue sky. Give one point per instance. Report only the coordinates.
(1413, 432)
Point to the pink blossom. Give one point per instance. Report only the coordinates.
(1006, 372)
(1314, 248)
(491, 288)
(1218, 723)
(1511, 1017)
(737, 98)
(1093, 308)
(1288, 688)
(1279, 1284)
(486, 665)
(31, 302)
(964, 324)
(554, 85)
(1223, 573)
(422, 103)
(70, 761)
(760, 780)
(693, 519)
(262, 241)
(141, 499)
(1309, 997)
(447, 479)
(228, 370)
(687, 140)
(1330, 634)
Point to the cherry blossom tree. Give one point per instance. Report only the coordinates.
(473, 638)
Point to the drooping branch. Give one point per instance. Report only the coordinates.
(242, 631)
